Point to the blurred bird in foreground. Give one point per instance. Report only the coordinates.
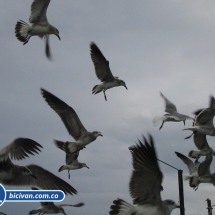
(145, 184)
(14, 175)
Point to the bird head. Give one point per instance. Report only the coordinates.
(85, 165)
(122, 83)
(56, 32)
(97, 133)
(171, 204)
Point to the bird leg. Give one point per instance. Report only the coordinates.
(161, 125)
(68, 174)
(184, 122)
(188, 136)
(196, 188)
(105, 95)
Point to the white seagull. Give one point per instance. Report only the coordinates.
(40, 25)
(199, 172)
(204, 120)
(145, 185)
(172, 114)
(72, 162)
(72, 123)
(14, 175)
(202, 144)
(192, 166)
(103, 72)
(51, 208)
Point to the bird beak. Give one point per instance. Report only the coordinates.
(100, 135)
(125, 87)
(58, 36)
(33, 176)
(87, 167)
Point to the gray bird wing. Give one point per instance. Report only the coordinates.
(169, 106)
(200, 141)
(38, 11)
(44, 179)
(66, 113)
(59, 144)
(19, 149)
(72, 158)
(204, 166)
(101, 65)
(190, 165)
(146, 178)
(80, 204)
(205, 117)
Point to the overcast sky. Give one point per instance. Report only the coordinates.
(166, 46)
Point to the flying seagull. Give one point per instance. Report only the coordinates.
(201, 143)
(199, 172)
(51, 208)
(72, 123)
(145, 184)
(103, 72)
(40, 25)
(14, 175)
(72, 162)
(204, 120)
(172, 114)
(192, 166)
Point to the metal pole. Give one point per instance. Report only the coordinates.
(181, 192)
(209, 207)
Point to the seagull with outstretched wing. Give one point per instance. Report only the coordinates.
(14, 175)
(103, 72)
(203, 122)
(72, 162)
(171, 116)
(72, 122)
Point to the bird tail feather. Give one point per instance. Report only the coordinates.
(21, 31)
(158, 120)
(121, 207)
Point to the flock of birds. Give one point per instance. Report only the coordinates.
(146, 180)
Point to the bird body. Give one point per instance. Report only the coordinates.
(171, 116)
(72, 162)
(199, 172)
(103, 72)
(40, 25)
(145, 185)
